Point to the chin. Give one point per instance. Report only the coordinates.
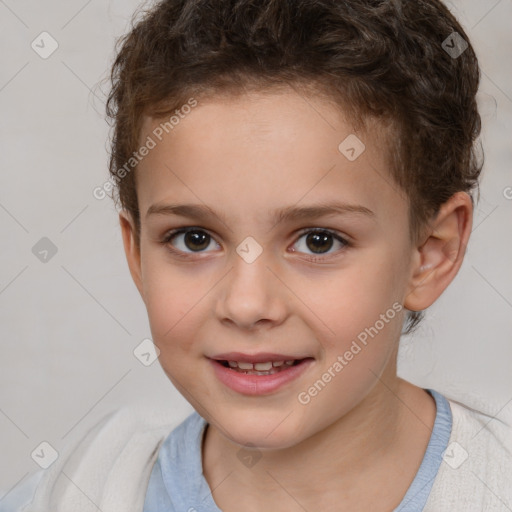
(271, 431)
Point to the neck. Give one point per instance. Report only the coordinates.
(382, 439)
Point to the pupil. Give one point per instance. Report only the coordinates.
(195, 237)
(321, 242)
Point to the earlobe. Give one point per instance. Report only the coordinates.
(131, 249)
(438, 259)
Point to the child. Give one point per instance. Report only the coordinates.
(320, 157)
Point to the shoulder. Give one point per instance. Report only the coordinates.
(21, 494)
(486, 439)
(115, 454)
(476, 470)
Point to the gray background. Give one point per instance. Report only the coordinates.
(70, 325)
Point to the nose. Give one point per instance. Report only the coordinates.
(251, 295)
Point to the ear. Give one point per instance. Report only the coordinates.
(438, 259)
(131, 249)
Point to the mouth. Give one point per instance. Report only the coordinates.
(260, 374)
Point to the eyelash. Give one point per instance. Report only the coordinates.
(181, 254)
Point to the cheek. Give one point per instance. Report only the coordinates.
(352, 300)
(173, 300)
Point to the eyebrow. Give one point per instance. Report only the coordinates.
(290, 213)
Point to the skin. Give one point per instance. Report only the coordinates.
(358, 443)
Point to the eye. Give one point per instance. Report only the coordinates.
(195, 239)
(319, 241)
(186, 241)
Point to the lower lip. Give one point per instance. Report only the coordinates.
(258, 384)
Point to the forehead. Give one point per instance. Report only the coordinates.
(253, 153)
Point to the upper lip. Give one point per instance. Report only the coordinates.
(260, 357)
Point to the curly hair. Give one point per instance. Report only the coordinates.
(385, 60)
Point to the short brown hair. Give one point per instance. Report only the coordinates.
(387, 60)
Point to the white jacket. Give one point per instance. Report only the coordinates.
(110, 468)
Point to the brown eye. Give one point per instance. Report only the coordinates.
(196, 240)
(319, 242)
(189, 240)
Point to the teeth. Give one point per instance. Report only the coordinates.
(263, 367)
(267, 368)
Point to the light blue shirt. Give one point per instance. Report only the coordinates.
(177, 483)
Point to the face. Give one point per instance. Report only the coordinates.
(265, 275)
